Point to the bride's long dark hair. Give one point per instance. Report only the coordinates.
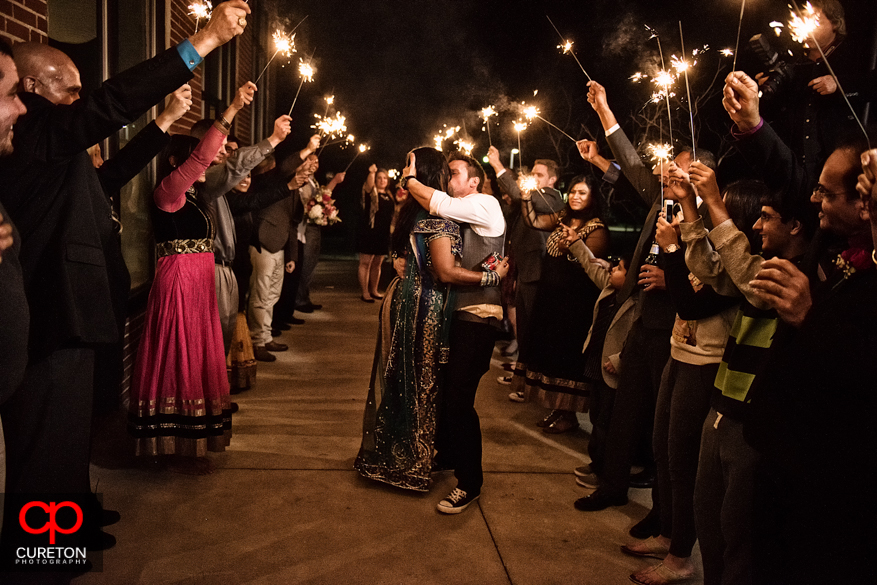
(432, 171)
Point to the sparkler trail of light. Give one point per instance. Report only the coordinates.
(836, 80)
(688, 92)
(306, 71)
(362, 148)
(739, 27)
(200, 10)
(486, 113)
(284, 43)
(567, 48)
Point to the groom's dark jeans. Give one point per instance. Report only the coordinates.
(458, 439)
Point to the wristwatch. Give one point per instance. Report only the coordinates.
(671, 248)
(404, 182)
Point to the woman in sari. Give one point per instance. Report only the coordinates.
(412, 347)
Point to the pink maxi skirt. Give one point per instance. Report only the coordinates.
(179, 392)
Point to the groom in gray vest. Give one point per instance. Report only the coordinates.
(476, 322)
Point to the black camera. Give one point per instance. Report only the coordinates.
(779, 72)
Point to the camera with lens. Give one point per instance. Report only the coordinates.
(779, 72)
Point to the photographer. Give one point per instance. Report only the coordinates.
(800, 97)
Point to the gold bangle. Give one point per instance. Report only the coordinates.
(873, 257)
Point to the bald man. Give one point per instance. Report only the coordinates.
(52, 191)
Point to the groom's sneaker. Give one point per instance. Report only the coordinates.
(456, 502)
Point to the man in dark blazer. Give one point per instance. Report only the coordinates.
(53, 192)
(275, 248)
(528, 244)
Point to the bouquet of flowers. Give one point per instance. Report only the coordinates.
(321, 208)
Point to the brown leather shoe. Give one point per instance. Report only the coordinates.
(562, 424)
(274, 346)
(263, 355)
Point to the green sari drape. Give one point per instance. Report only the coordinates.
(400, 417)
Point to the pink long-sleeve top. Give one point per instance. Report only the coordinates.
(170, 195)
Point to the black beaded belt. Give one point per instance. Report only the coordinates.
(172, 247)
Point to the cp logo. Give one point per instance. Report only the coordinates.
(51, 525)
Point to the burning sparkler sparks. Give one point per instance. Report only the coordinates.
(520, 126)
(393, 173)
(362, 148)
(331, 126)
(530, 112)
(727, 52)
(330, 100)
(659, 152)
(306, 71)
(200, 10)
(637, 77)
(528, 183)
(283, 43)
(567, 48)
(803, 23)
(465, 146)
(486, 113)
(680, 65)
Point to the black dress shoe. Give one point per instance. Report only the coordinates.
(234, 407)
(284, 326)
(276, 332)
(309, 308)
(296, 321)
(600, 501)
(100, 540)
(642, 480)
(647, 527)
(108, 517)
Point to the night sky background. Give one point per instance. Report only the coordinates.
(400, 70)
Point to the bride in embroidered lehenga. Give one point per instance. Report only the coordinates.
(400, 415)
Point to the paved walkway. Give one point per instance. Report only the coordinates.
(285, 505)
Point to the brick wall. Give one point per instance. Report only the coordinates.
(24, 20)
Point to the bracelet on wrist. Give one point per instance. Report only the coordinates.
(490, 279)
(404, 182)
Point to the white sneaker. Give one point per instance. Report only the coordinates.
(583, 470)
(505, 380)
(456, 502)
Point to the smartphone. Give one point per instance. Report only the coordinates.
(668, 210)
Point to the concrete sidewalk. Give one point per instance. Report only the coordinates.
(285, 505)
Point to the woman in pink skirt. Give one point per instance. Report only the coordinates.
(180, 397)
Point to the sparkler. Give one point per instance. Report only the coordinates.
(200, 10)
(660, 153)
(520, 127)
(528, 183)
(362, 148)
(486, 113)
(830, 69)
(284, 43)
(567, 48)
(737, 45)
(531, 112)
(729, 53)
(664, 79)
(393, 173)
(685, 69)
(331, 127)
(306, 71)
(440, 138)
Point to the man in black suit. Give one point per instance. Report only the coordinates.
(528, 245)
(56, 198)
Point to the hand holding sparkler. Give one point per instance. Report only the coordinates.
(201, 11)
(493, 159)
(226, 22)
(282, 128)
(741, 100)
(678, 182)
(313, 143)
(703, 179)
(597, 99)
(589, 151)
(178, 103)
(244, 96)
